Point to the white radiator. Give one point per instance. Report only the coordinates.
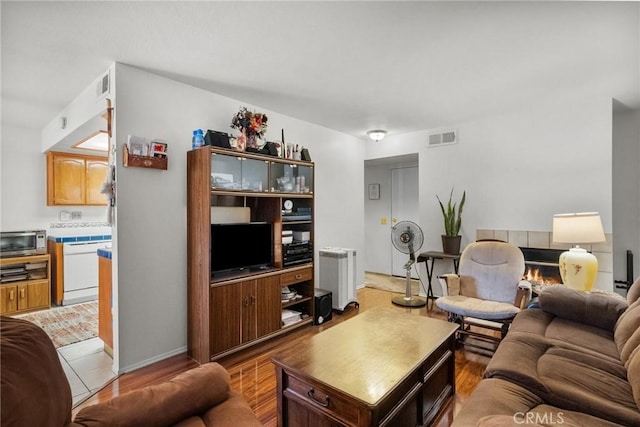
(338, 275)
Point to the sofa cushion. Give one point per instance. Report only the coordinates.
(626, 327)
(234, 411)
(189, 393)
(566, 378)
(633, 294)
(544, 415)
(565, 333)
(633, 375)
(590, 308)
(31, 373)
(495, 397)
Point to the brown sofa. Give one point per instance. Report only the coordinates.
(573, 361)
(35, 392)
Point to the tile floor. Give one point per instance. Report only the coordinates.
(87, 366)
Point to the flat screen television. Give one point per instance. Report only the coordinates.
(237, 247)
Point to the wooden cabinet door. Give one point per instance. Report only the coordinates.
(105, 318)
(224, 317)
(8, 299)
(269, 309)
(96, 173)
(23, 297)
(249, 311)
(38, 294)
(67, 180)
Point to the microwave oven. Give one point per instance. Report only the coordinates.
(22, 243)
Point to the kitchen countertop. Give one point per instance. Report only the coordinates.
(89, 238)
(104, 253)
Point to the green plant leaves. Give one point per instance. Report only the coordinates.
(452, 217)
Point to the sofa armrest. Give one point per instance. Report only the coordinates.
(189, 393)
(450, 284)
(593, 309)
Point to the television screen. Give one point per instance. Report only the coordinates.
(241, 246)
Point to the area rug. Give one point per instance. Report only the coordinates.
(69, 324)
(389, 283)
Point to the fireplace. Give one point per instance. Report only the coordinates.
(541, 266)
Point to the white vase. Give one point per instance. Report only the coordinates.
(578, 269)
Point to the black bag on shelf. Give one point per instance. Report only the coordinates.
(270, 149)
(217, 139)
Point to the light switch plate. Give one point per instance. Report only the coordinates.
(65, 216)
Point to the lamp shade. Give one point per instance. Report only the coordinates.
(576, 228)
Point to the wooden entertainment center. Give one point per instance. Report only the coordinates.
(232, 311)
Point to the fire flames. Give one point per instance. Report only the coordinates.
(533, 275)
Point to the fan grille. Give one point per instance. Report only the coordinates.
(407, 237)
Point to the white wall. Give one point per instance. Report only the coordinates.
(87, 105)
(151, 204)
(626, 198)
(518, 169)
(23, 184)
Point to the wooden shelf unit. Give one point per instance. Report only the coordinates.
(228, 314)
(30, 293)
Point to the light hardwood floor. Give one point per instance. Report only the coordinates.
(253, 374)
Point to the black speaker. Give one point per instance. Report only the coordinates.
(217, 139)
(323, 304)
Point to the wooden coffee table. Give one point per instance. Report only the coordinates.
(383, 367)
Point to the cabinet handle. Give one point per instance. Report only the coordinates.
(12, 295)
(312, 395)
(246, 302)
(22, 293)
(298, 276)
(253, 299)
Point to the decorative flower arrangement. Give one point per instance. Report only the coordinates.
(250, 123)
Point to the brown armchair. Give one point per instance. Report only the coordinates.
(35, 392)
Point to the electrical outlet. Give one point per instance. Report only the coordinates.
(76, 215)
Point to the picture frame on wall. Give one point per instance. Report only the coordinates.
(374, 191)
(159, 149)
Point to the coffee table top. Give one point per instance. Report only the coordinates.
(369, 354)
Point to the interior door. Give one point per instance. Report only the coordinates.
(404, 207)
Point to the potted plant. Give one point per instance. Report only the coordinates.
(452, 215)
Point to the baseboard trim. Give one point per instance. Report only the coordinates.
(153, 360)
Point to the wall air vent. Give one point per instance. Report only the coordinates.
(447, 137)
(102, 86)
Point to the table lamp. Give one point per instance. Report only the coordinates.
(578, 268)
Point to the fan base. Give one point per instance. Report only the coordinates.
(409, 302)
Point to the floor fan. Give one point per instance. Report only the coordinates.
(407, 238)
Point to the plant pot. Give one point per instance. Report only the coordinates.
(451, 244)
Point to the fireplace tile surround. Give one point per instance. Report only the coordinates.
(542, 240)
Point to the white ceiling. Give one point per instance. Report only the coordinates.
(349, 66)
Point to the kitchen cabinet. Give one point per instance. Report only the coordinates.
(75, 180)
(24, 284)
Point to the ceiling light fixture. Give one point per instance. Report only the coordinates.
(377, 134)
